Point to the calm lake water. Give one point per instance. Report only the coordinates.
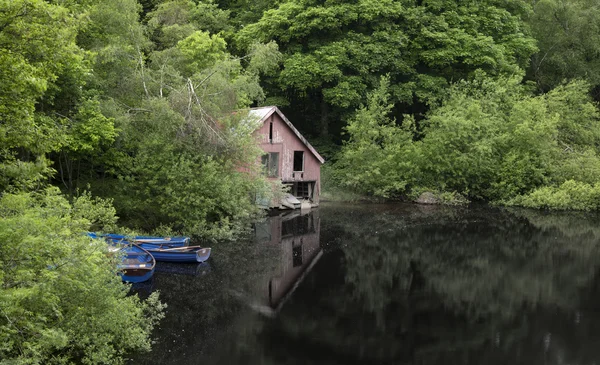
(389, 284)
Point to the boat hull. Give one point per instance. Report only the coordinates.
(154, 240)
(189, 255)
(137, 264)
(166, 249)
(136, 276)
(145, 241)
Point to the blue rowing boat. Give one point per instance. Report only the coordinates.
(169, 249)
(147, 241)
(180, 254)
(137, 264)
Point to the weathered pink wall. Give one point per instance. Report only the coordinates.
(286, 142)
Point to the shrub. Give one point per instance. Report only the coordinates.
(571, 195)
(61, 300)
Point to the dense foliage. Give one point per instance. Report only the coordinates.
(568, 37)
(489, 139)
(335, 51)
(169, 87)
(138, 110)
(61, 299)
(142, 103)
(451, 116)
(37, 44)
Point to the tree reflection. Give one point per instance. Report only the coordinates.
(466, 286)
(246, 278)
(398, 284)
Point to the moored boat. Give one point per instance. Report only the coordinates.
(168, 249)
(137, 264)
(145, 241)
(180, 254)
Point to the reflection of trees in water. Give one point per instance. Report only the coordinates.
(480, 262)
(570, 224)
(205, 311)
(433, 286)
(400, 284)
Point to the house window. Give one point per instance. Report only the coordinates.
(270, 162)
(298, 160)
(303, 189)
(271, 132)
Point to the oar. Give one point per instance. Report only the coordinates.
(151, 240)
(134, 266)
(161, 243)
(136, 253)
(157, 245)
(146, 242)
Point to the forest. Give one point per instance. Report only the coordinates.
(128, 115)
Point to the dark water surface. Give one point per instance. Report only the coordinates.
(390, 284)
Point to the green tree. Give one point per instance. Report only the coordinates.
(376, 142)
(489, 139)
(200, 50)
(37, 45)
(149, 114)
(47, 108)
(182, 171)
(335, 52)
(173, 21)
(568, 35)
(61, 300)
(494, 140)
(245, 12)
(117, 40)
(181, 144)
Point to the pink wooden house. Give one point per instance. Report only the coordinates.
(288, 157)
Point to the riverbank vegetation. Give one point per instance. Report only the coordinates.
(486, 100)
(141, 102)
(61, 300)
(135, 109)
(489, 139)
(131, 115)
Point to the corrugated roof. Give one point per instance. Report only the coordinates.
(261, 114)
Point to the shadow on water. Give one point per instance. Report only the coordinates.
(391, 284)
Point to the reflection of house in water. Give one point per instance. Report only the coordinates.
(295, 237)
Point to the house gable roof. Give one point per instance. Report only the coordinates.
(261, 114)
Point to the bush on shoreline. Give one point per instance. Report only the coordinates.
(61, 300)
